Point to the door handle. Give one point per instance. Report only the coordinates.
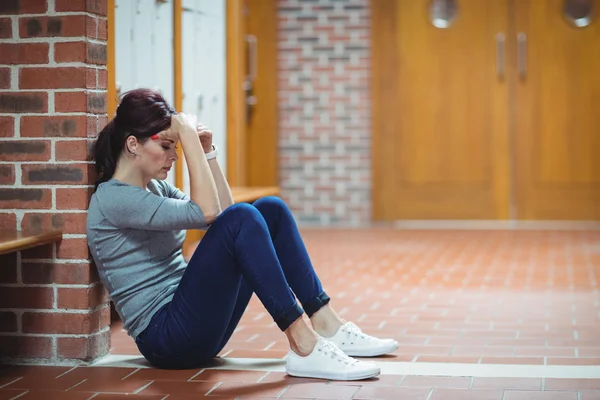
(500, 54)
(252, 57)
(522, 54)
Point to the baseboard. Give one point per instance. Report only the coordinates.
(497, 225)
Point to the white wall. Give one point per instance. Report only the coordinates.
(144, 58)
(204, 69)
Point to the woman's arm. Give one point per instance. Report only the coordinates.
(225, 196)
(203, 190)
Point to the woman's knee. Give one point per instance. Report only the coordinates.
(270, 203)
(240, 212)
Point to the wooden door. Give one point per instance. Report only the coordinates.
(261, 155)
(556, 112)
(440, 115)
(252, 158)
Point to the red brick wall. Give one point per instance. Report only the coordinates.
(52, 102)
(324, 108)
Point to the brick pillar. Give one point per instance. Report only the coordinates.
(324, 110)
(52, 102)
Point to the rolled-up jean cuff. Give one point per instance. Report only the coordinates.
(286, 318)
(314, 305)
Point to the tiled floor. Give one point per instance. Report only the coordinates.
(485, 308)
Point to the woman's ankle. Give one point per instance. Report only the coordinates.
(326, 322)
(302, 338)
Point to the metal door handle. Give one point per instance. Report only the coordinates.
(252, 57)
(500, 54)
(522, 54)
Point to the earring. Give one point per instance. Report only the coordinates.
(131, 151)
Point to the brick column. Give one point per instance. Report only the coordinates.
(324, 109)
(52, 102)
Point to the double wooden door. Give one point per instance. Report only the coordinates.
(486, 109)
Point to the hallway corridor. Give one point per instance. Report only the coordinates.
(498, 315)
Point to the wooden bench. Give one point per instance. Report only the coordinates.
(244, 194)
(17, 241)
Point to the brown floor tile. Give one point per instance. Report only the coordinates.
(572, 384)
(209, 375)
(507, 383)
(153, 374)
(320, 390)
(41, 378)
(235, 389)
(436, 381)
(260, 398)
(381, 380)
(101, 379)
(12, 371)
(528, 395)
(54, 395)
(590, 395)
(6, 394)
(462, 394)
(483, 351)
(449, 359)
(256, 353)
(572, 361)
(194, 397)
(112, 396)
(94, 384)
(197, 389)
(282, 377)
(513, 360)
(391, 393)
(545, 351)
(398, 358)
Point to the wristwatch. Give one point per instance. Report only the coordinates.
(212, 154)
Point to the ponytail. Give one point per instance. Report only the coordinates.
(105, 155)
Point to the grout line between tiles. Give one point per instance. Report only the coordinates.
(66, 372)
(20, 395)
(11, 382)
(143, 387)
(75, 385)
(195, 375)
(430, 394)
(282, 391)
(129, 374)
(213, 388)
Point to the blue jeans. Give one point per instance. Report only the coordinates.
(248, 249)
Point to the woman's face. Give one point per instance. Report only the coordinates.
(158, 155)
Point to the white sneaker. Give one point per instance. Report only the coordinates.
(352, 341)
(327, 361)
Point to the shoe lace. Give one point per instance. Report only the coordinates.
(330, 349)
(351, 330)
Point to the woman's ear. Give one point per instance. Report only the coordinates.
(131, 144)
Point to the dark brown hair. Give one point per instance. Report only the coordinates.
(141, 113)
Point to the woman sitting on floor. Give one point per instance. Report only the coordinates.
(181, 314)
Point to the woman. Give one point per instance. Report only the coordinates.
(181, 314)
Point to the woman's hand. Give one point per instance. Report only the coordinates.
(184, 124)
(206, 137)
